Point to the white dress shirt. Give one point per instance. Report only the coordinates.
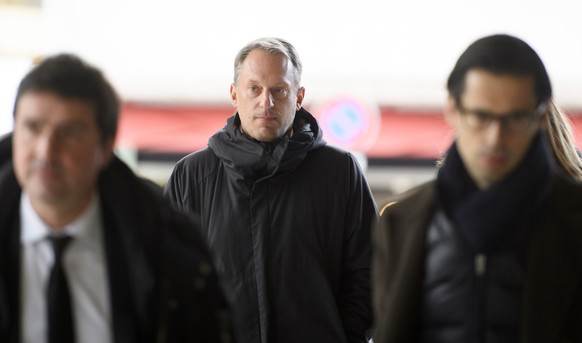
(85, 266)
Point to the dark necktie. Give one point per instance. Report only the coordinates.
(60, 319)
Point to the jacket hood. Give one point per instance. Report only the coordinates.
(248, 158)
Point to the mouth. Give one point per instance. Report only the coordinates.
(46, 172)
(494, 160)
(266, 118)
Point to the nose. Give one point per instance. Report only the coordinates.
(494, 133)
(46, 146)
(267, 100)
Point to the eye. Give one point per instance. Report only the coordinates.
(71, 131)
(32, 126)
(519, 117)
(481, 116)
(279, 91)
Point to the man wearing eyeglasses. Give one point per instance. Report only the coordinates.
(490, 251)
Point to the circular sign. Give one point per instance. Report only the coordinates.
(349, 123)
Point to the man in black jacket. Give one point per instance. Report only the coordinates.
(490, 250)
(287, 217)
(134, 269)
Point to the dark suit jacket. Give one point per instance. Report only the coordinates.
(553, 288)
(162, 282)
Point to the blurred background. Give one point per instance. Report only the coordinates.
(374, 71)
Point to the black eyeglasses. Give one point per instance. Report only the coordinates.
(515, 122)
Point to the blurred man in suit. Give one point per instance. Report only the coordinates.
(88, 251)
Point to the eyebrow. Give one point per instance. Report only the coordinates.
(517, 112)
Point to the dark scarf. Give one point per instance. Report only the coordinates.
(249, 159)
(497, 218)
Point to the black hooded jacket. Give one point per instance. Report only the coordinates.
(162, 285)
(289, 225)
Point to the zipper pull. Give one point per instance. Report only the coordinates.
(480, 264)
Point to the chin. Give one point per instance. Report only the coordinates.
(265, 136)
(266, 139)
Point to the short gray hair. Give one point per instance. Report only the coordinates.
(274, 46)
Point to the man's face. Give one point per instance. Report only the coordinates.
(266, 96)
(492, 151)
(57, 149)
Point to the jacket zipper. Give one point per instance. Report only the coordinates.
(480, 270)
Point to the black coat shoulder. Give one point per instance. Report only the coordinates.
(165, 245)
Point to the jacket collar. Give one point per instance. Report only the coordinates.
(248, 159)
(9, 249)
(129, 236)
(403, 265)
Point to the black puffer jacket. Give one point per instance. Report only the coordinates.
(469, 297)
(289, 225)
(163, 287)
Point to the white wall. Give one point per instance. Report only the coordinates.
(397, 52)
(394, 52)
(12, 69)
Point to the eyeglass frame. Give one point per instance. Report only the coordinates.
(482, 119)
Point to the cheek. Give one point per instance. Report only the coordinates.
(83, 158)
(20, 163)
(101, 155)
(81, 173)
(246, 107)
(23, 149)
(98, 161)
(521, 146)
(468, 146)
(245, 119)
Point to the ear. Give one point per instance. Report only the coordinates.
(300, 97)
(233, 94)
(450, 111)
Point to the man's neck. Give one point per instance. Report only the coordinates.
(58, 215)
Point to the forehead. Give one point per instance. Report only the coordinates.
(51, 107)
(503, 92)
(262, 65)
